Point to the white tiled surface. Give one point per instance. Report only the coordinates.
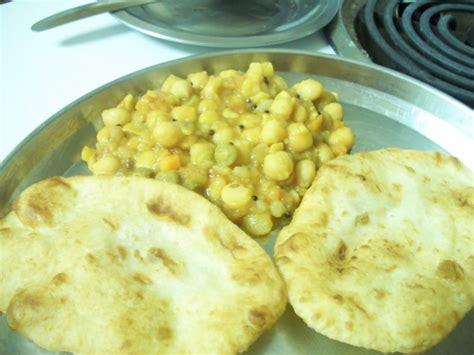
(43, 72)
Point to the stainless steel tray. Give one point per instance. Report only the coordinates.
(230, 23)
(383, 107)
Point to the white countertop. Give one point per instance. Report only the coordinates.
(41, 72)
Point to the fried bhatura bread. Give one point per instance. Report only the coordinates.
(380, 253)
(115, 265)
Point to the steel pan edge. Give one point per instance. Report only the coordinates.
(411, 95)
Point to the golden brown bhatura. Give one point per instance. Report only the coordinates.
(129, 265)
(380, 253)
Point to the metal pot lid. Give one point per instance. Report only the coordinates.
(230, 23)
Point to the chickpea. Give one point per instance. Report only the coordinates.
(147, 159)
(295, 196)
(115, 116)
(255, 71)
(244, 148)
(334, 110)
(342, 135)
(309, 89)
(325, 98)
(273, 131)
(282, 107)
(261, 96)
(324, 135)
(188, 141)
(276, 147)
(138, 117)
(273, 191)
(280, 83)
(216, 185)
(316, 123)
(206, 119)
(221, 170)
(250, 87)
(199, 79)
(87, 154)
(110, 135)
(249, 120)
(127, 102)
(223, 135)
(283, 95)
(252, 135)
(235, 195)
(229, 73)
(208, 105)
(258, 153)
(264, 105)
(167, 134)
(168, 83)
(212, 88)
(103, 135)
(242, 172)
(124, 153)
(277, 209)
(229, 114)
(133, 128)
(305, 173)
(107, 165)
(146, 141)
(324, 153)
(267, 69)
(300, 114)
(257, 224)
(260, 207)
(338, 149)
(155, 116)
(299, 137)
(182, 89)
(184, 113)
(193, 101)
(278, 166)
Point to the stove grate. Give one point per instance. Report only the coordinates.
(417, 39)
(444, 25)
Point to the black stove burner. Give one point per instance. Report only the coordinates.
(417, 38)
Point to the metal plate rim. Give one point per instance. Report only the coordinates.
(373, 66)
(305, 29)
(297, 60)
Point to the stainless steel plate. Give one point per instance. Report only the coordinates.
(230, 23)
(383, 107)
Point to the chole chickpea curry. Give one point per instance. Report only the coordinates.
(246, 141)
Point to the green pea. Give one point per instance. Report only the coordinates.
(168, 176)
(225, 154)
(143, 172)
(202, 154)
(193, 177)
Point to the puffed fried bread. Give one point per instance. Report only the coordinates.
(128, 265)
(380, 253)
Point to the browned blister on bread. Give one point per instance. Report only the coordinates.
(380, 253)
(132, 266)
